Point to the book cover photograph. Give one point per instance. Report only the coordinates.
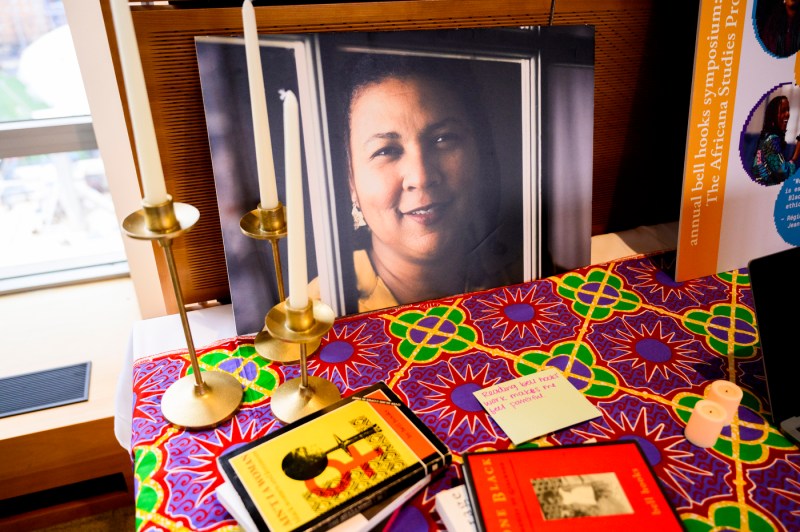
(317, 472)
(607, 486)
(741, 192)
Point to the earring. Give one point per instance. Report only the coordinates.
(358, 217)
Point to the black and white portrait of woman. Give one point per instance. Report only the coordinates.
(436, 162)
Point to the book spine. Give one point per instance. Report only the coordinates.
(454, 508)
(473, 498)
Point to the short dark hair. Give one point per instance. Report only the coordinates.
(371, 69)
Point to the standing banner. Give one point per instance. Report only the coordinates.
(741, 192)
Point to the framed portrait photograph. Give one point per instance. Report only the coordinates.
(435, 162)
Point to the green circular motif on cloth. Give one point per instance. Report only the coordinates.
(599, 295)
(148, 498)
(425, 335)
(145, 463)
(741, 279)
(603, 382)
(728, 516)
(527, 445)
(262, 387)
(266, 380)
(257, 389)
(725, 324)
(214, 358)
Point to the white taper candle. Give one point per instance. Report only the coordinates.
(144, 133)
(295, 210)
(258, 107)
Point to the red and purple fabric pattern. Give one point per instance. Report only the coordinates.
(640, 346)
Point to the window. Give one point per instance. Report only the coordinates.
(57, 222)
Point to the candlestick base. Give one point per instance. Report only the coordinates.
(189, 405)
(292, 401)
(277, 350)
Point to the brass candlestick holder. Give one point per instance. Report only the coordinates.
(296, 398)
(270, 224)
(201, 400)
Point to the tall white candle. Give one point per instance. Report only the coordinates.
(295, 215)
(144, 133)
(258, 106)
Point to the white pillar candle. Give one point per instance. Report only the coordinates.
(258, 107)
(144, 133)
(295, 215)
(705, 424)
(727, 395)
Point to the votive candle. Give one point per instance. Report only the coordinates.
(144, 133)
(295, 210)
(726, 394)
(705, 424)
(265, 165)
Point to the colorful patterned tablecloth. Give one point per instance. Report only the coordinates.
(640, 346)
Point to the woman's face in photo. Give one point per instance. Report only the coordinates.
(783, 115)
(414, 166)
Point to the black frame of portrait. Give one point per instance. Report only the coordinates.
(545, 179)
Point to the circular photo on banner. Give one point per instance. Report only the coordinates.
(769, 147)
(777, 26)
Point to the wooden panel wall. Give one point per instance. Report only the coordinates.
(643, 56)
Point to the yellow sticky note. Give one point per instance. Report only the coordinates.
(536, 404)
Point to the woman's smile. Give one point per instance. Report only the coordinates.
(427, 214)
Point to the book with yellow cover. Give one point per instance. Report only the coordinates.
(321, 470)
